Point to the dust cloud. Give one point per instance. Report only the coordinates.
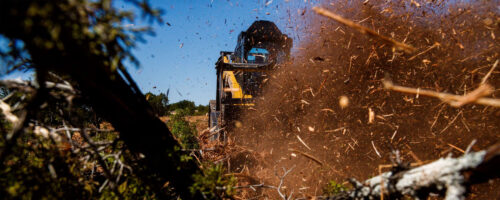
(327, 115)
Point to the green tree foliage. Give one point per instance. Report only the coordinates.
(183, 130)
(43, 166)
(30, 174)
(160, 105)
(188, 107)
(213, 183)
(201, 110)
(333, 188)
(29, 171)
(86, 41)
(158, 102)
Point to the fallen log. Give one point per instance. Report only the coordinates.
(448, 176)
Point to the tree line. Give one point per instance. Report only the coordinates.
(161, 106)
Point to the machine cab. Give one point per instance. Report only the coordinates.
(258, 56)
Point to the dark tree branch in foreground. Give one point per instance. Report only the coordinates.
(79, 39)
(450, 176)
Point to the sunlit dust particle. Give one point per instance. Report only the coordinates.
(343, 102)
(238, 124)
(371, 116)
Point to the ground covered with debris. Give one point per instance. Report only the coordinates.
(327, 116)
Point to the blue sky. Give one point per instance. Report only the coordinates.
(181, 57)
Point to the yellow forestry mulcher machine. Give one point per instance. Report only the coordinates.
(240, 74)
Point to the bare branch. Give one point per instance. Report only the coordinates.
(6, 111)
(376, 151)
(364, 30)
(485, 78)
(101, 161)
(27, 86)
(425, 51)
(254, 186)
(308, 156)
(475, 96)
(282, 179)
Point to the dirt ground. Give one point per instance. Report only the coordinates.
(299, 122)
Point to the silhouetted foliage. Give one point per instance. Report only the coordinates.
(160, 105)
(85, 43)
(158, 102)
(183, 130)
(215, 184)
(188, 107)
(202, 110)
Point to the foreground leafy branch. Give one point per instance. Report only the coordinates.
(83, 40)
